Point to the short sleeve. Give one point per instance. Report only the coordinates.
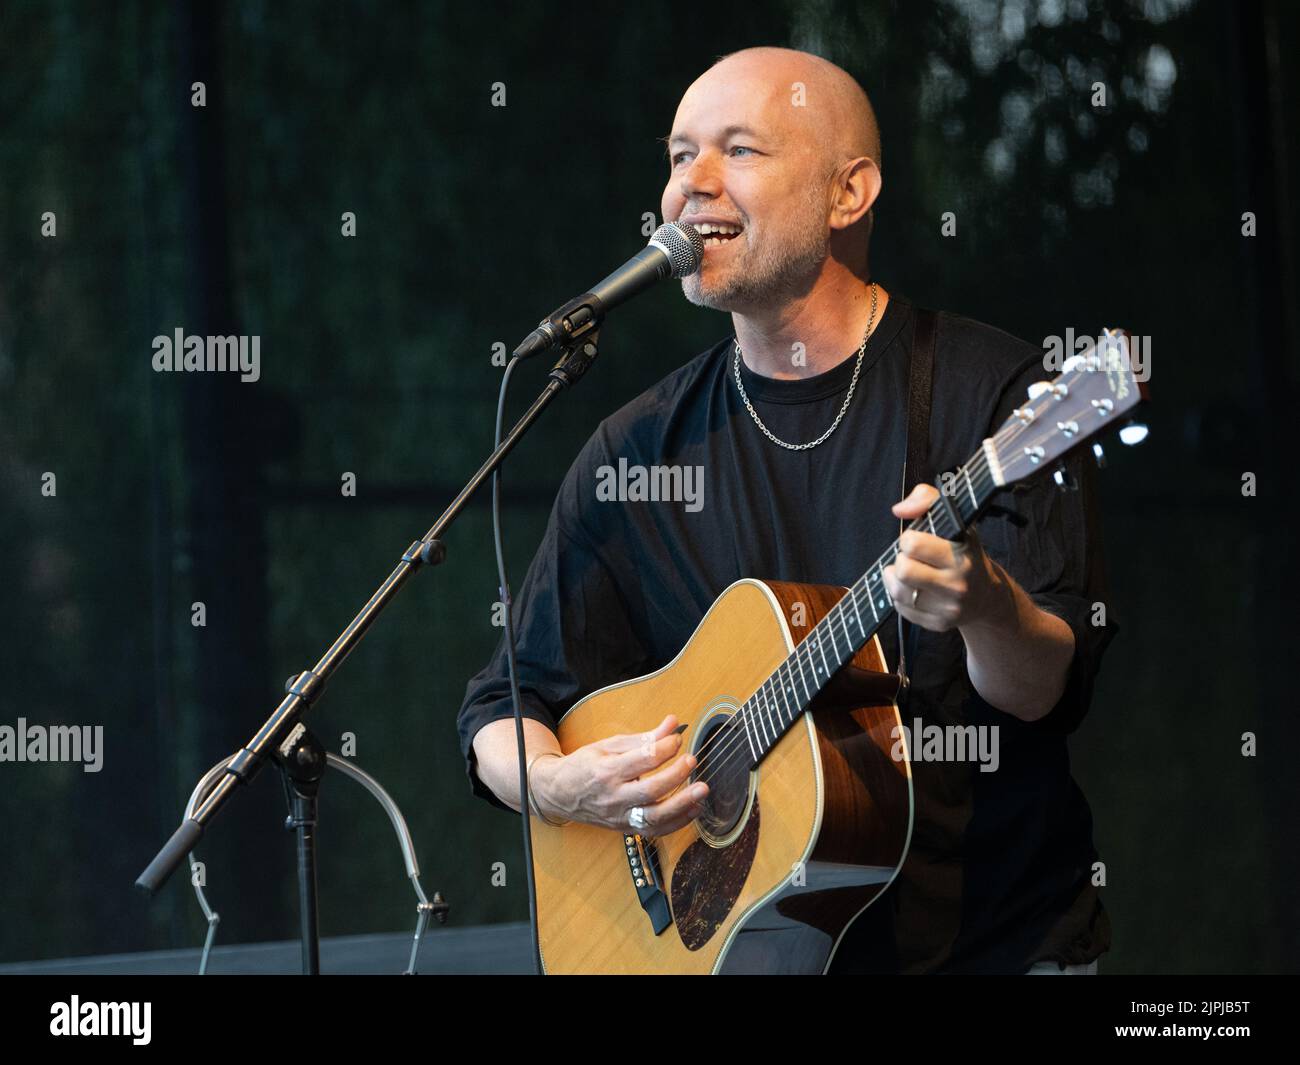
(573, 629)
(1048, 539)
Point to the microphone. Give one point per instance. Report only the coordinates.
(675, 250)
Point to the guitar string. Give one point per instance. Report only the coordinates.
(738, 743)
(979, 477)
(735, 742)
(773, 719)
(976, 472)
(979, 474)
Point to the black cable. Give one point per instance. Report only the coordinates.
(504, 586)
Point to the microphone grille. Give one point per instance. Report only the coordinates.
(683, 246)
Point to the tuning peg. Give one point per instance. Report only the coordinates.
(1099, 455)
(1038, 388)
(1064, 481)
(1116, 346)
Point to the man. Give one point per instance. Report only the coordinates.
(775, 156)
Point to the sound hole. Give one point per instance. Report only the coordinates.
(722, 762)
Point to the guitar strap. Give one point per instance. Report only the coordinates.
(916, 464)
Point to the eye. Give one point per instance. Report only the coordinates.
(676, 159)
(742, 148)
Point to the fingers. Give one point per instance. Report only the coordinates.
(638, 740)
(677, 811)
(641, 759)
(917, 502)
(932, 550)
(936, 607)
(653, 787)
(937, 582)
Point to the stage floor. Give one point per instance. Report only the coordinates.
(481, 949)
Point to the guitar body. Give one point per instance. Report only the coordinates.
(826, 823)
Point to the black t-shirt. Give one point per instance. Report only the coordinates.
(999, 872)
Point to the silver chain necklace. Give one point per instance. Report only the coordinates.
(847, 399)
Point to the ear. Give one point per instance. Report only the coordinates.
(857, 186)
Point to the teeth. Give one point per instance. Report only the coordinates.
(705, 228)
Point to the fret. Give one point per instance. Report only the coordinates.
(847, 639)
(873, 573)
(946, 519)
(777, 703)
(744, 722)
(763, 725)
(810, 662)
(802, 678)
(780, 687)
(792, 697)
(773, 708)
(818, 681)
(936, 530)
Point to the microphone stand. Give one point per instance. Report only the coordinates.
(285, 739)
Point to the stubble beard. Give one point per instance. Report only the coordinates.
(778, 271)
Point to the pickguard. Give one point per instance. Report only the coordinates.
(708, 880)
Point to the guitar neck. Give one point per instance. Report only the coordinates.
(856, 618)
(1091, 393)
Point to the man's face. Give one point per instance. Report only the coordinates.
(739, 156)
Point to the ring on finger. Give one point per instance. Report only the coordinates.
(636, 817)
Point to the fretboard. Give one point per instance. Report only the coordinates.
(851, 622)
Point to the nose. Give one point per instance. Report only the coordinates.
(703, 178)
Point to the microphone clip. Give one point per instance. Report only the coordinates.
(577, 358)
(565, 326)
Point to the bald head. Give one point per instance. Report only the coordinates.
(780, 149)
(824, 102)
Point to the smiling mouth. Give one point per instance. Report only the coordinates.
(714, 242)
(715, 235)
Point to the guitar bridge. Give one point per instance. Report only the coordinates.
(643, 863)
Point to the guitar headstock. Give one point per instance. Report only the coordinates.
(1094, 392)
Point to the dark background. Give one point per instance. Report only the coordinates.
(472, 221)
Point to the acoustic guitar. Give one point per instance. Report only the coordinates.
(792, 718)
